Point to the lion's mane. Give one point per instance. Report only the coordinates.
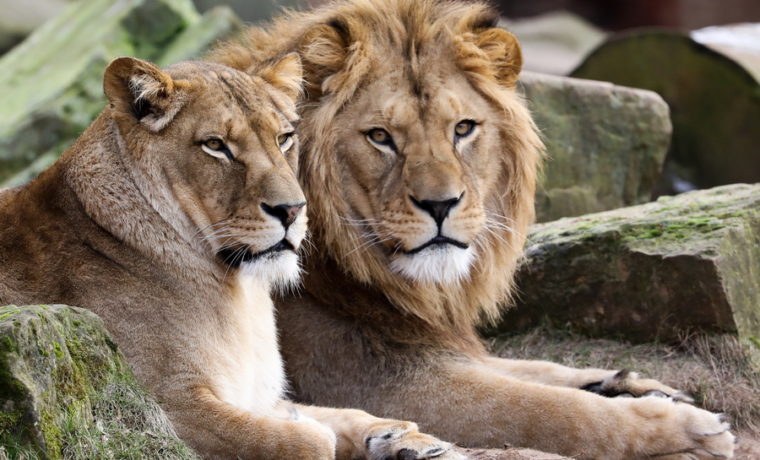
(338, 45)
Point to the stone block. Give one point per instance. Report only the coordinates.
(606, 144)
(649, 272)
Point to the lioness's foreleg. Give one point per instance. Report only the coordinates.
(603, 381)
(466, 402)
(218, 430)
(361, 435)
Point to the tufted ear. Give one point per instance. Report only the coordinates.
(487, 49)
(142, 90)
(285, 74)
(325, 50)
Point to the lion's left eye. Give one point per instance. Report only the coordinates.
(286, 141)
(464, 128)
(217, 149)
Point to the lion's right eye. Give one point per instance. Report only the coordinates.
(217, 149)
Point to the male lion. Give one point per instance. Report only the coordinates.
(419, 164)
(170, 218)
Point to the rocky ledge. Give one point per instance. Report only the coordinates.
(648, 272)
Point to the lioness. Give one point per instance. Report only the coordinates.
(171, 217)
(419, 164)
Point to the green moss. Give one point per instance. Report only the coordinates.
(669, 230)
(7, 312)
(51, 432)
(87, 404)
(58, 351)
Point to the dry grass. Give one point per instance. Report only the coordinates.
(715, 370)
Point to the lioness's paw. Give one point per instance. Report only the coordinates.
(626, 383)
(684, 431)
(393, 440)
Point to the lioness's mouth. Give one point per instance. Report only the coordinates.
(234, 257)
(439, 240)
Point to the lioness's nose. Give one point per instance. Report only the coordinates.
(438, 209)
(286, 213)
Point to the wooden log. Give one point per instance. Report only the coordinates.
(52, 82)
(713, 90)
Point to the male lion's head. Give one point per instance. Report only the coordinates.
(419, 158)
(215, 153)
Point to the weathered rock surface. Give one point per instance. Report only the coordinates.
(52, 82)
(606, 144)
(690, 262)
(66, 392)
(711, 80)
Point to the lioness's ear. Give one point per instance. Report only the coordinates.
(487, 49)
(141, 89)
(285, 75)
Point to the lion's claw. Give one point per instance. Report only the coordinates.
(626, 383)
(402, 441)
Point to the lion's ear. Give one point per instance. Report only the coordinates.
(487, 49)
(326, 49)
(141, 89)
(286, 75)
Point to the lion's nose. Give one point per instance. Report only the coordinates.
(286, 213)
(438, 209)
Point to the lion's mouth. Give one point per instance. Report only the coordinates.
(439, 240)
(236, 256)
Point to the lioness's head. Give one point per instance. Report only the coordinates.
(419, 157)
(221, 145)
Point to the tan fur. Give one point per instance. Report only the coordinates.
(407, 346)
(132, 222)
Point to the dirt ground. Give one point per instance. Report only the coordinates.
(748, 448)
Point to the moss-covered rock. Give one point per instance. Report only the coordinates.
(52, 82)
(654, 271)
(606, 144)
(66, 392)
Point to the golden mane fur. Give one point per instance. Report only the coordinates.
(339, 46)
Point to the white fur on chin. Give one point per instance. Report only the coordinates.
(436, 264)
(280, 270)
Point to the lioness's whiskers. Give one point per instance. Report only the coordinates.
(359, 222)
(212, 225)
(371, 240)
(215, 233)
(238, 254)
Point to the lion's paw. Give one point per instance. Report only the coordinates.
(686, 432)
(628, 384)
(392, 440)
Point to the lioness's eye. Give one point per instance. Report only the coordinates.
(217, 149)
(464, 128)
(285, 141)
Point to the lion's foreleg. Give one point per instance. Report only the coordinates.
(218, 430)
(466, 402)
(602, 381)
(361, 435)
